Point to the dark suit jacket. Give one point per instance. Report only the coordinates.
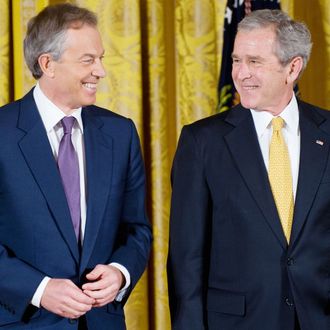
(36, 232)
(229, 265)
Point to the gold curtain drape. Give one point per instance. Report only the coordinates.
(162, 61)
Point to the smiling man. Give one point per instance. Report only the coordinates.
(74, 236)
(249, 231)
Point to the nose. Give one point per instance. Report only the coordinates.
(242, 71)
(98, 70)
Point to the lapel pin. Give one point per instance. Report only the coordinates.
(319, 142)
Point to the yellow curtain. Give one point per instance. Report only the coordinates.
(162, 61)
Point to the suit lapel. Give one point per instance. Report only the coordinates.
(39, 158)
(98, 151)
(313, 159)
(244, 146)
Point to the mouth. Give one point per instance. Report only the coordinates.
(90, 86)
(249, 87)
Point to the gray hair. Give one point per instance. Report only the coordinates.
(46, 32)
(292, 38)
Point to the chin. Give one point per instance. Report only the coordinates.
(88, 101)
(248, 105)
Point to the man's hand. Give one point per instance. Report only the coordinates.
(64, 298)
(105, 282)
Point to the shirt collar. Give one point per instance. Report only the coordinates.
(50, 113)
(290, 114)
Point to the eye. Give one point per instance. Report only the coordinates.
(88, 60)
(254, 62)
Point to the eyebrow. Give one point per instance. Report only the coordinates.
(249, 57)
(92, 55)
(258, 58)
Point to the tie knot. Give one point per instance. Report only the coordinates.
(277, 123)
(67, 123)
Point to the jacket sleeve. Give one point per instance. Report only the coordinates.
(17, 285)
(134, 239)
(189, 225)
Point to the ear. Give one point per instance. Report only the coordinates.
(46, 64)
(294, 69)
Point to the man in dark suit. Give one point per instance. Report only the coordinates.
(241, 256)
(74, 236)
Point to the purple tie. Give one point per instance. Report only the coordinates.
(68, 165)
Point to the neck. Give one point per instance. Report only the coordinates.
(51, 95)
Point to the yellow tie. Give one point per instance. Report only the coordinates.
(280, 176)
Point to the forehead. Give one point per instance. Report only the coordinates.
(255, 42)
(83, 30)
(85, 39)
(86, 35)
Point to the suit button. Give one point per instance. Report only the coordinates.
(290, 261)
(73, 321)
(289, 302)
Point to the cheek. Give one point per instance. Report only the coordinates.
(234, 73)
(276, 84)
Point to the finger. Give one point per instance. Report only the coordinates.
(80, 307)
(109, 276)
(81, 298)
(64, 298)
(72, 309)
(106, 300)
(103, 296)
(77, 303)
(71, 313)
(102, 302)
(100, 294)
(71, 295)
(96, 272)
(97, 285)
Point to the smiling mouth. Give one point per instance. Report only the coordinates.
(250, 87)
(90, 86)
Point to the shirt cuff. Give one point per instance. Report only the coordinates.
(39, 292)
(124, 271)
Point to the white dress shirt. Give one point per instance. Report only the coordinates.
(291, 133)
(51, 117)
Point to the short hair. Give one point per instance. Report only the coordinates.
(47, 32)
(292, 37)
